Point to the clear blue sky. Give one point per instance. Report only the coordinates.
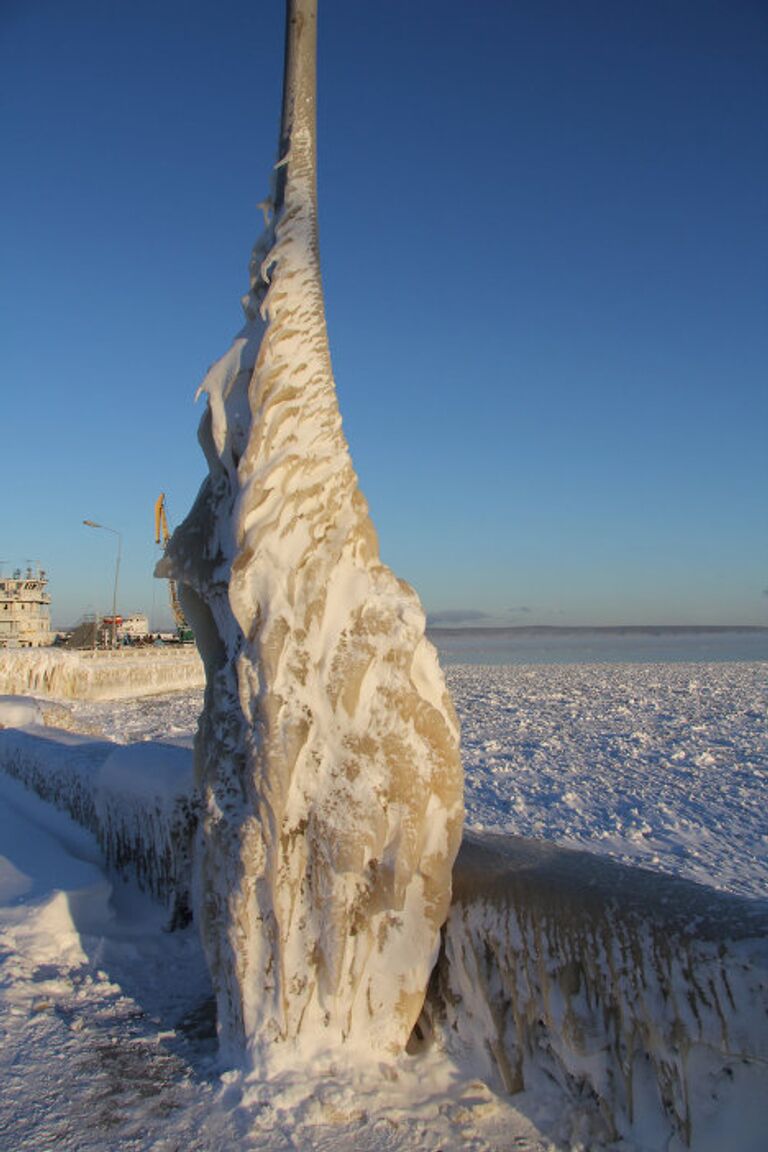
(545, 255)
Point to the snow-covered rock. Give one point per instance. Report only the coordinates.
(327, 752)
(643, 996)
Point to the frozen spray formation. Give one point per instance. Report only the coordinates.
(642, 995)
(327, 753)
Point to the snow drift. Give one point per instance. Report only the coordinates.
(327, 753)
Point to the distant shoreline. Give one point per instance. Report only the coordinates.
(604, 644)
(606, 629)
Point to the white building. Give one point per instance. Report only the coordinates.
(133, 627)
(136, 625)
(25, 610)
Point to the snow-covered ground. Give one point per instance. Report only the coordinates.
(105, 1018)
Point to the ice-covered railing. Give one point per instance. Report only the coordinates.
(644, 996)
(138, 800)
(99, 675)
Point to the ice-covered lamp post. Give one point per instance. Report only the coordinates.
(114, 531)
(327, 753)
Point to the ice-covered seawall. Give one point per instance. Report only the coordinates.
(98, 675)
(327, 753)
(645, 997)
(138, 800)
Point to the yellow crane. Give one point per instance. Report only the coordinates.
(162, 536)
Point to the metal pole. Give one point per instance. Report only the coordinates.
(114, 531)
(114, 594)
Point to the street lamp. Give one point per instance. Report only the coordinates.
(104, 528)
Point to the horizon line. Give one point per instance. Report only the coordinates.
(472, 627)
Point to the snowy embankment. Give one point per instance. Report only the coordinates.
(99, 675)
(643, 997)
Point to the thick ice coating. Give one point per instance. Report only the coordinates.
(327, 754)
